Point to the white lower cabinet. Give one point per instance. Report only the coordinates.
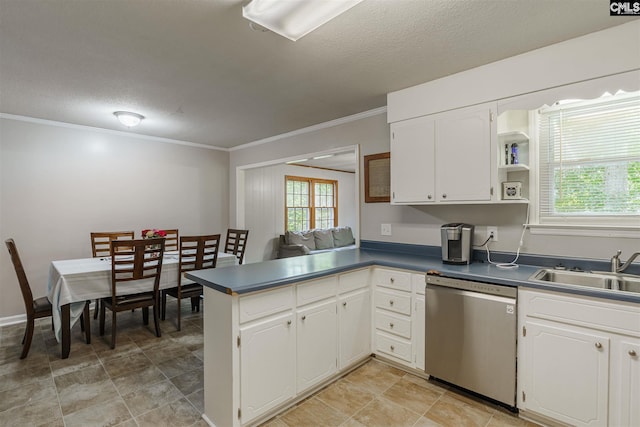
(567, 373)
(317, 344)
(267, 355)
(354, 319)
(393, 323)
(418, 320)
(625, 388)
(578, 359)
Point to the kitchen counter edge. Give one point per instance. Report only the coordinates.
(265, 275)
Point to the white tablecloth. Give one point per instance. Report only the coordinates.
(75, 281)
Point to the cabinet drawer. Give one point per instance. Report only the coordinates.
(393, 279)
(393, 346)
(316, 290)
(399, 302)
(617, 317)
(353, 280)
(394, 324)
(264, 304)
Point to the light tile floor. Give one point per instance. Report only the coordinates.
(149, 381)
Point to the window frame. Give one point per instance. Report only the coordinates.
(586, 222)
(311, 207)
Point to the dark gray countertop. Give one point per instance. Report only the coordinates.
(269, 274)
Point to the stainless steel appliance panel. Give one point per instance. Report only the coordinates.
(471, 336)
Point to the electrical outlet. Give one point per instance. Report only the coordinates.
(492, 231)
(385, 229)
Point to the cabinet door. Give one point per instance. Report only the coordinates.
(418, 320)
(317, 344)
(267, 365)
(354, 320)
(625, 393)
(566, 373)
(463, 154)
(412, 162)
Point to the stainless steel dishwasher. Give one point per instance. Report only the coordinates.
(471, 336)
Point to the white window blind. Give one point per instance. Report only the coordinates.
(589, 164)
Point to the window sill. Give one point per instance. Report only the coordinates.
(623, 232)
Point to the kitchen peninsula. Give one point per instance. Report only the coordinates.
(277, 331)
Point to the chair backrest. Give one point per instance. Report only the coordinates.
(100, 241)
(171, 240)
(236, 243)
(135, 260)
(198, 252)
(27, 296)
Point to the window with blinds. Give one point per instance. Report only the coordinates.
(589, 163)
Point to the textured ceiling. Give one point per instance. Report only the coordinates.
(199, 73)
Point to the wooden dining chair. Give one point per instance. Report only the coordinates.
(196, 253)
(236, 243)
(171, 240)
(101, 247)
(39, 307)
(133, 260)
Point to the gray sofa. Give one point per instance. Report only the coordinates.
(296, 243)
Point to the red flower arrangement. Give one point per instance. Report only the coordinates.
(153, 233)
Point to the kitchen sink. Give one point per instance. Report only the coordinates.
(591, 279)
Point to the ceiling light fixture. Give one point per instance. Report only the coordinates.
(324, 156)
(128, 119)
(290, 162)
(294, 19)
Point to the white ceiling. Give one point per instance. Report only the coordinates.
(199, 73)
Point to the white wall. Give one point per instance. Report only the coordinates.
(59, 183)
(264, 204)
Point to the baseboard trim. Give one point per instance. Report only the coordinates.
(12, 320)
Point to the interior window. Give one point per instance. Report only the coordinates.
(589, 160)
(310, 203)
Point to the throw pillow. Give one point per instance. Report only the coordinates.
(342, 236)
(304, 238)
(323, 238)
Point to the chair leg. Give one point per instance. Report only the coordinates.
(28, 335)
(113, 328)
(164, 305)
(145, 315)
(179, 312)
(156, 317)
(95, 310)
(87, 327)
(102, 319)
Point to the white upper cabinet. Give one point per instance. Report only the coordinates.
(412, 161)
(463, 154)
(446, 157)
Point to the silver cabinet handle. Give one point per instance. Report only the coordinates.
(391, 325)
(390, 302)
(288, 322)
(632, 353)
(392, 348)
(444, 196)
(429, 196)
(392, 280)
(304, 317)
(598, 345)
(344, 304)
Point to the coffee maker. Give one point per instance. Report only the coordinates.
(457, 243)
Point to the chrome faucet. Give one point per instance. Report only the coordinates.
(615, 262)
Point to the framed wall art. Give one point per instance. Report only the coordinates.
(377, 178)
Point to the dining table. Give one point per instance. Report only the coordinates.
(73, 282)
